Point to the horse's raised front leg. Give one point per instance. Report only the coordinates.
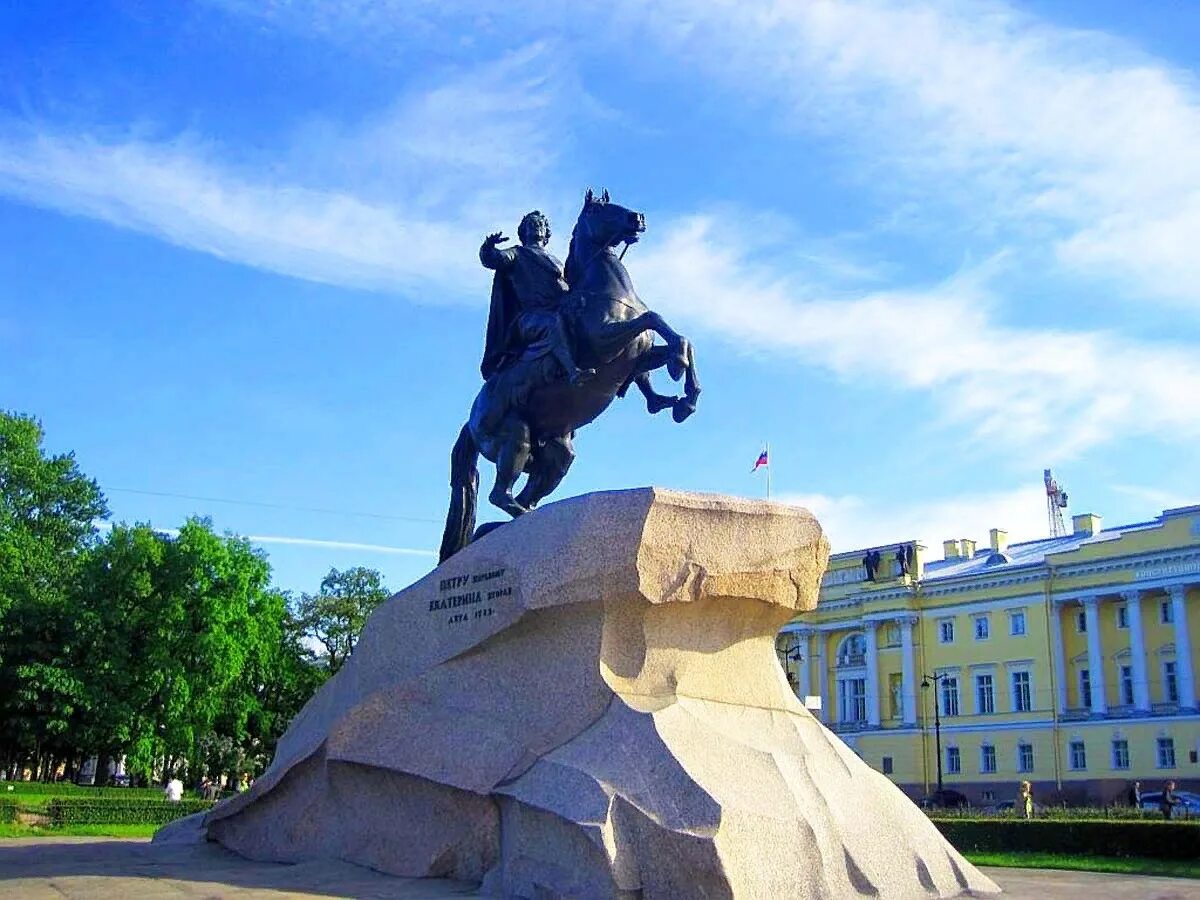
(654, 358)
(686, 405)
(677, 361)
(513, 437)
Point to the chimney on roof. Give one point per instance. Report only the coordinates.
(968, 548)
(950, 549)
(1085, 523)
(999, 539)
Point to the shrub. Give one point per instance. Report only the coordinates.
(1089, 837)
(8, 810)
(118, 811)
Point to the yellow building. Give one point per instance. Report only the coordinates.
(1068, 662)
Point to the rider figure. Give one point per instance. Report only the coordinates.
(527, 294)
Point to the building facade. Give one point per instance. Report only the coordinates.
(1069, 662)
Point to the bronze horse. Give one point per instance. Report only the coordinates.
(525, 423)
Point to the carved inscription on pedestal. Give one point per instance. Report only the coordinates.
(473, 595)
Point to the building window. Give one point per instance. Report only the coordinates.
(982, 628)
(953, 761)
(887, 765)
(1022, 693)
(987, 795)
(1085, 687)
(1024, 757)
(985, 695)
(1166, 753)
(1127, 685)
(1081, 622)
(852, 651)
(1122, 616)
(1016, 623)
(946, 631)
(1078, 754)
(949, 696)
(1166, 614)
(853, 699)
(987, 759)
(1170, 682)
(1120, 754)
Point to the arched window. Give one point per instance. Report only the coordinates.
(852, 650)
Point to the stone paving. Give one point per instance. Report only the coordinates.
(111, 869)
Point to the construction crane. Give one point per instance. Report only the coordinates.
(1056, 502)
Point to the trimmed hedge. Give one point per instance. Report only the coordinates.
(109, 811)
(1092, 837)
(8, 810)
(67, 789)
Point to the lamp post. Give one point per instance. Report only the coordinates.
(927, 682)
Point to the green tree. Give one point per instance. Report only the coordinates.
(47, 513)
(181, 625)
(335, 615)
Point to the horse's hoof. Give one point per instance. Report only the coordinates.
(507, 503)
(682, 408)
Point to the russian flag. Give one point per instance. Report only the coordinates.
(761, 461)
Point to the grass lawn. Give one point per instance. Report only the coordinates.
(124, 831)
(1120, 865)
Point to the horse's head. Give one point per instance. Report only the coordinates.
(608, 224)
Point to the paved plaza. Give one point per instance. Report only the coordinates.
(102, 868)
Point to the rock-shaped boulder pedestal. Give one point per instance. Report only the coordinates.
(587, 703)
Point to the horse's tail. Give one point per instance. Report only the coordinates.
(464, 495)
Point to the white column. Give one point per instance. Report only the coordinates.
(872, 659)
(908, 670)
(1095, 655)
(804, 664)
(1183, 646)
(823, 677)
(1137, 650)
(1060, 658)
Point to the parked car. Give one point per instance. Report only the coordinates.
(946, 798)
(1189, 803)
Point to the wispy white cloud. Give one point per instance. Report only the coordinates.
(285, 540)
(1020, 123)
(1061, 391)
(852, 522)
(437, 166)
(338, 545)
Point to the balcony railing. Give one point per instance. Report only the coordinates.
(851, 661)
(849, 727)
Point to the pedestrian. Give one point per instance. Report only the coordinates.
(1169, 800)
(174, 790)
(1025, 800)
(1135, 795)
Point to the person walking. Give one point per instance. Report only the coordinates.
(1169, 800)
(1025, 800)
(1135, 795)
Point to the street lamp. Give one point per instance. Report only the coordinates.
(926, 683)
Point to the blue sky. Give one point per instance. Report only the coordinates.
(925, 250)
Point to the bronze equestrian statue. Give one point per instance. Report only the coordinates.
(562, 343)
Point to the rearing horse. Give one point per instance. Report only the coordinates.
(524, 422)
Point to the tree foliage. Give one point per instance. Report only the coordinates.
(170, 650)
(335, 615)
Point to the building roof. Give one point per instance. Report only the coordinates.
(1032, 553)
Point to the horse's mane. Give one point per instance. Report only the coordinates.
(574, 265)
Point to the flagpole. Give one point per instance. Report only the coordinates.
(768, 471)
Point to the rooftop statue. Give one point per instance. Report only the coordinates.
(561, 344)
